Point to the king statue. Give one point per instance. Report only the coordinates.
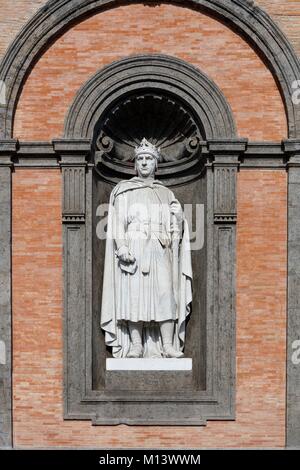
(147, 284)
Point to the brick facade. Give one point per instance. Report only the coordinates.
(261, 325)
(286, 13)
(262, 224)
(136, 29)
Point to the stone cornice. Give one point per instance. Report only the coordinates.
(227, 146)
(72, 150)
(260, 155)
(292, 150)
(8, 148)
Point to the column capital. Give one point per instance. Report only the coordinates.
(291, 146)
(74, 155)
(226, 152)
(8, 148)
(73, 152)
(225, 155)
(292, 150)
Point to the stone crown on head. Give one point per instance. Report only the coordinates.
(146, 147)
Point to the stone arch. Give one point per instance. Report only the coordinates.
(156, 72)
(57, 15)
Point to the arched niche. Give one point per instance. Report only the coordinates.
(201, 158)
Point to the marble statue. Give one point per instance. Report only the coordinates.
(147, 285)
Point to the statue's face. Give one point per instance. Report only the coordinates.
(145, 165)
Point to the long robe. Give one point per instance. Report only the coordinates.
(146, 290)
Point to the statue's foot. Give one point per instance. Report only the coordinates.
(169, 351)
(135, 351)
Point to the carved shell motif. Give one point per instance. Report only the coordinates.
(162, 120)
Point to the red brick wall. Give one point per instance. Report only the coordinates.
(286, 13)
(14, 15)
(247, 84)
(37, 324)
(261, 244)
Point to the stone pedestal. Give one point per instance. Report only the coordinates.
(149, 364)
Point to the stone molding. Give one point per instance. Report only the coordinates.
(292, 149)
(257, 155)
(7, 150)
(144, 72)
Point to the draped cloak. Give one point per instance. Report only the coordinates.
(177, 303)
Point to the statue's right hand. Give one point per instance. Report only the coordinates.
(125, 255)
